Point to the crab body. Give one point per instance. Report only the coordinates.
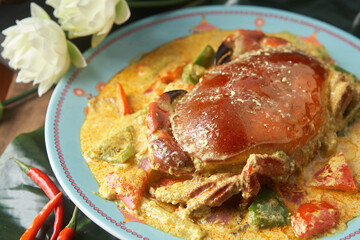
(256, 110)
(271, 100)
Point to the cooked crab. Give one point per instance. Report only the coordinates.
(257, 116)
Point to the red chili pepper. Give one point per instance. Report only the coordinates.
(50, 190)
(68, 232)
(123, 102)
(39, 220)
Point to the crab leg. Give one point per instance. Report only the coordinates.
(202, 192)
(277, 167)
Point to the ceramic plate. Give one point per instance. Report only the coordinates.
(67, 107)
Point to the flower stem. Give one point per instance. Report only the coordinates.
(20, 96)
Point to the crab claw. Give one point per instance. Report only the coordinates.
(159, 112)
(243, 41)
(237, 43)
(175, 94)
(165, 154)
(223, 54)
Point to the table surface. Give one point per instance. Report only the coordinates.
(29, 114)
(23, 116)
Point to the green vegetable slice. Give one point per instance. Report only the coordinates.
(192, 73)
(195, 70)
(118, 148)
(206, 57)
(267, 210)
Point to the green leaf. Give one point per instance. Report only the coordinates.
(21, 199)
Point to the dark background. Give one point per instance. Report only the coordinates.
(344, 14)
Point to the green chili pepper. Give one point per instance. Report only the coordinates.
(195, 70)
(267, 210)
(206, 57)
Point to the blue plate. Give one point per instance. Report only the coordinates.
(67, 107)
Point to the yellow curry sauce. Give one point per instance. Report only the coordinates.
(108, 135)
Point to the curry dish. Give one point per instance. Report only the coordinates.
(230, 135)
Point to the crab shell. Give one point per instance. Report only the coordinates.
(262, 102)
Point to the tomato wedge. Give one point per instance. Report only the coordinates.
(335, 175)
(129, 186)
(314, 218)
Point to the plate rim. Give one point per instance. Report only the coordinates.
(52, 115)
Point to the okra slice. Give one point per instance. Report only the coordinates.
(267, 210)
(117, 148)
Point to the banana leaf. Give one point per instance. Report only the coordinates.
(21, 199)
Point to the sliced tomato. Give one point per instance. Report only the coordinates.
(314, 218)
(129, 186)
(335, 175)
(130, 201)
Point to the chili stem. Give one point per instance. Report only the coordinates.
(20, 96)
(69, 231)
(72, 223)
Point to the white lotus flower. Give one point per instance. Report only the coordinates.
(90, 17)
(37, 46)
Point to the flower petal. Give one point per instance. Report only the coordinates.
(96, 39)
(44, 87)
(37, 48)
(122, 12)
(24, 76)
(37, 11)
(75, 55)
